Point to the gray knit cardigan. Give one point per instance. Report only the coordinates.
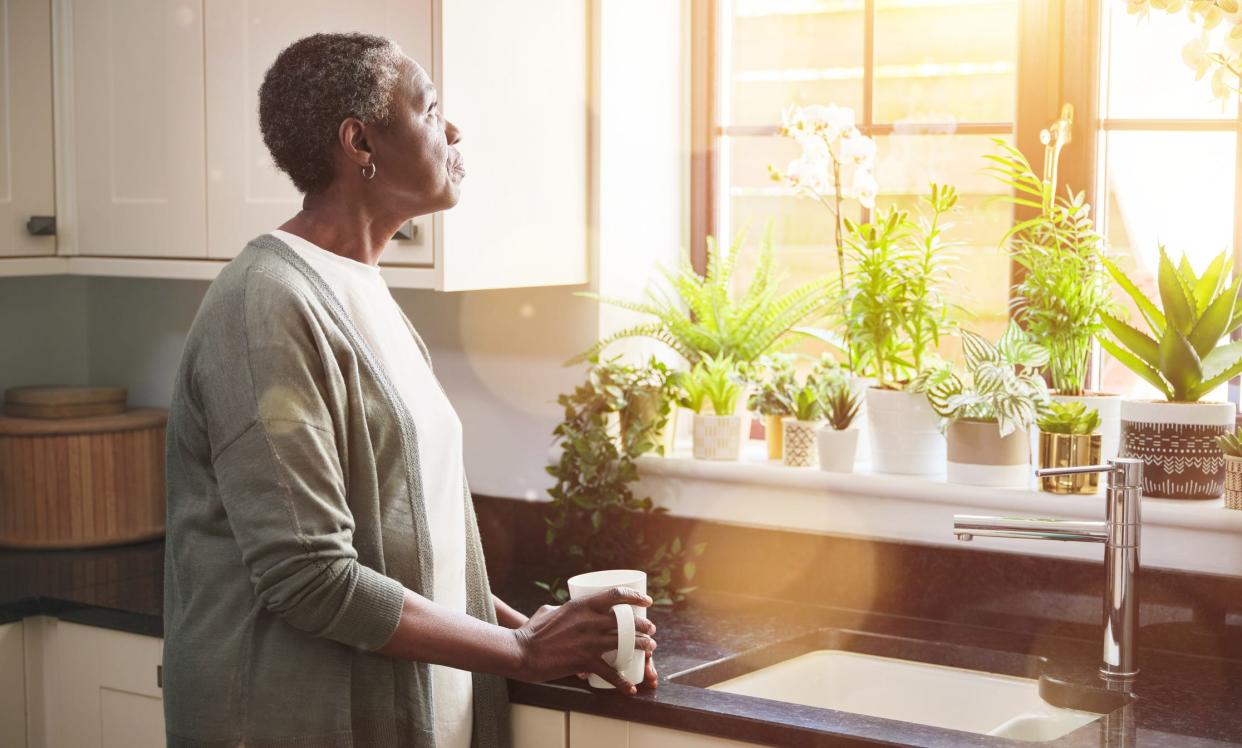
(295, 522)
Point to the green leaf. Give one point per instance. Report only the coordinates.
(1138, 366)
(688, 570)
(1221, 358)
(1212, 382)
(1151, 313)
(1210, 328)
(1177, 307)
(1179, 363)
(1142, 345)
(1209, 284)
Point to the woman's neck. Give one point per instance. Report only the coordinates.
(344, 225)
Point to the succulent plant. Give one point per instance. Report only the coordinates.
(841, 404)
(1069, 418)
(1183, 357)
(1231, 444)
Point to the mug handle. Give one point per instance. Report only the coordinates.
(625, 635)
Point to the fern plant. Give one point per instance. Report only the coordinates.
(1064, 288)
(1183, 357)
(697, 315)
(1003, 383)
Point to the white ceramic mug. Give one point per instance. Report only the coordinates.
(628, 661)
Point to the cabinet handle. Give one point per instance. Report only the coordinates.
(41, 226)
(406, 233)
(159, 676)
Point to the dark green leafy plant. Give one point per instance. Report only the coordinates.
(1183, 357)
(1064, 287)
(697, 315)
(595, 521)
(1069, 418)
(841, 404)
(1231, 444)
(773, 378)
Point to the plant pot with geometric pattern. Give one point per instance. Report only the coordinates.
(1177, 443)
(1233, 482)
(719, 437)
(800, 448)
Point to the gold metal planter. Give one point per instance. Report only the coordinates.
(1069, 450)
(774, 433)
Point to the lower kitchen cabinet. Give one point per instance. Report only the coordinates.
(12, 685)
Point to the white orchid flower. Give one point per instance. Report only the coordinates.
(864, 188)
(858, 149)
(1195, 55)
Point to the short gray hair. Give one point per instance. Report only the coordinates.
(313, 85)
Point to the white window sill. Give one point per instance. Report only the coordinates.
(1199, 536)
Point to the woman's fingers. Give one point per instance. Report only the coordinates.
(602, 602)
(616, 679)
(643, 626)
(650, 677)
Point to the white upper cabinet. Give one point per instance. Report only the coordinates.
(137, 127)
(246, 194)
(26, 166)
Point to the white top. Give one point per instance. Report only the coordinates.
(367, 300)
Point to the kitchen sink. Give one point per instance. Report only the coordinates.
(940, 685)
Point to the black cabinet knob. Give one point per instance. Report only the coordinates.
(41, 226)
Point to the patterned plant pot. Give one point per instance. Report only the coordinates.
(1233, 482)
(1177, 444)
(1069, 450)
(904, 433)
(837, 449)
(800, 449)
(774, 435)
(720, 437)
(980, 456)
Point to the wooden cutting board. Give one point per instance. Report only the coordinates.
(63, 402)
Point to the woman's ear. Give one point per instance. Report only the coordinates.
(352, 135)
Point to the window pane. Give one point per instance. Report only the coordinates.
(1165, 188)
(1143, 74)
(785, 52)
(945, 60)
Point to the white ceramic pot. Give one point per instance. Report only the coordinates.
(720, 437)
(1109, 408)
(837, 449)
(979, 456)
(799, 442)
(1177, 444)
(904, 433)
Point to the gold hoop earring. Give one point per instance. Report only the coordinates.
(371, 174)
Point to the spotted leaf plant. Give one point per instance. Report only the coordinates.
(1002, 382)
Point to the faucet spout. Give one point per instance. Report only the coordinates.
(969, 526)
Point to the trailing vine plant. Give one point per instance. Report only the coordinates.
(595, 520)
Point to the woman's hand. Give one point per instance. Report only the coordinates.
(563, 640)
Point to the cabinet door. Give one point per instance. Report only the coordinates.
(137, 126)
(246, 194)
(106, 689)
(536, 727)
(513, 78)
(12, 685)
(26, 166)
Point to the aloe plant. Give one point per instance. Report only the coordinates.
(1231, 444)
(1182, 357)
(712, 380)
(1069, 418)
(697, 315)
(1003, 382)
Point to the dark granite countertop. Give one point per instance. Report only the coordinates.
(1178, 700)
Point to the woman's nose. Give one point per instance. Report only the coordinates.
(452, 133)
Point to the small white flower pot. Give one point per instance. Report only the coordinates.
(720, 437)
(799, 442)
(837, 449)
(904, 433)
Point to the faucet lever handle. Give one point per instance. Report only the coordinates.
(1125, 472)
(1075, 470)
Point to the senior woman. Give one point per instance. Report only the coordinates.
(324, 580)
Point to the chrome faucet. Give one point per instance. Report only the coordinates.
(1119, 533)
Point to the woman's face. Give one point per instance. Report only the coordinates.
(417, 166)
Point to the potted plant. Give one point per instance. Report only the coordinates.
(1064, 286)
(773, 381)
(713, 383)
(697, 315)
(895, 315)
(800, 427)
(644, 397)
(1184, 359)
(990, 412)
(837, 441)
(1231, 445)
(1068, 437)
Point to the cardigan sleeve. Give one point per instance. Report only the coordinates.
(277, 460)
